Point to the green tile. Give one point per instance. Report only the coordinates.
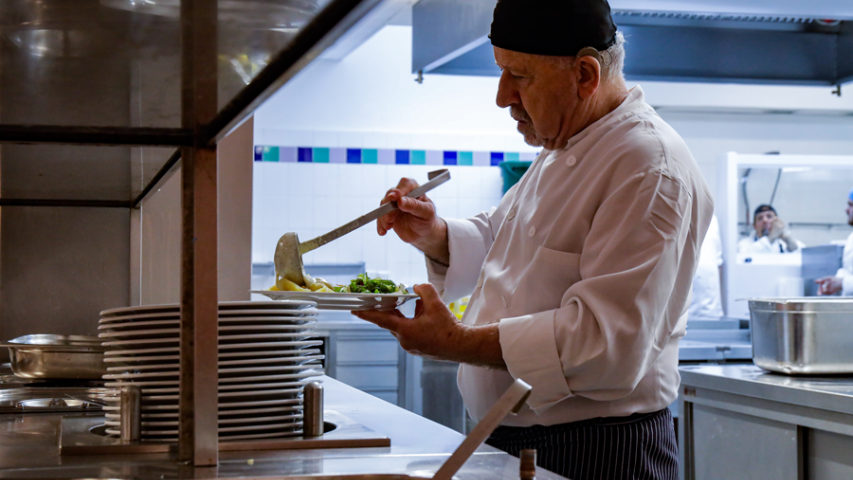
(321, 155)
(369, 156)
(271, 154)
(465, 158)
(511, 157)
(418, 157)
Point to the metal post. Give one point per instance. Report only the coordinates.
(198, 442)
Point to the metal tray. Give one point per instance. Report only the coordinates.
(57, 356)
(803, 336)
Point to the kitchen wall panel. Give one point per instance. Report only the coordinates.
(60, 267)
(311, 199)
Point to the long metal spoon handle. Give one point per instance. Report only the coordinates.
(436, 178)
(511, 401)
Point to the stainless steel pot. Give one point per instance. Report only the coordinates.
(802, 336)
(57, 356)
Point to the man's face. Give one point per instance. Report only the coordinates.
(849, 211)
(763, 222)
(542, 96)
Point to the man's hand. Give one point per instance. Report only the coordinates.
(777, 228)
(435, 333)
(829, 285)
(415, 222)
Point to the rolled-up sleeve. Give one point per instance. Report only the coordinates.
(613, 323)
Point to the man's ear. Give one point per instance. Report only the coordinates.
(589, 76)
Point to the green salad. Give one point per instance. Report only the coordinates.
(365, 284)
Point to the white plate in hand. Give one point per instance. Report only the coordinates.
(344, 301)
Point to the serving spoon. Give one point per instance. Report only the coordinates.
(289, 251)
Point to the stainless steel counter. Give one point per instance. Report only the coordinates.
(763, 424)
(29, 448)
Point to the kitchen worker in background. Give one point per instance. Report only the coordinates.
(843, 280)
(580, 279)
(771, 234)
(707, 300)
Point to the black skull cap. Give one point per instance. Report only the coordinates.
(552, 27)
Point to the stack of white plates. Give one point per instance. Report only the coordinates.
(266, 356)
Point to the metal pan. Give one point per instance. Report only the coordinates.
(57, 356)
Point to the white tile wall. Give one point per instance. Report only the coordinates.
(311, 199)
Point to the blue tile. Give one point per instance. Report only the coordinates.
(259, 154)
(450, 158)
(304, 155)
(370, 155)
(353, 155)
(497, 157)
(402, 157)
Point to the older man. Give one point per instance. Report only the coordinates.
(581, 276)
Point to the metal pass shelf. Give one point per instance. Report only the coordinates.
(100, 100)
(109, 74)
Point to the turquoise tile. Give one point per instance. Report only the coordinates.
(321, 155)
(369, 155)
(418, 157)
(465, 158)
(270, 154)
(511, 156)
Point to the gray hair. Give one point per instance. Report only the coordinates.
(613, 61)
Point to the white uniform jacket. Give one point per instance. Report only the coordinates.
(846, 270)
(587, 264)
(753, 244)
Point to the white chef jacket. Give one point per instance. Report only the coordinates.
(707, 299)
(587, 265)
(846, 270)
(753, 244)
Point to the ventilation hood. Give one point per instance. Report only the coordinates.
(784, 42)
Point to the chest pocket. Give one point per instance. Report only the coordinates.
(544, 282)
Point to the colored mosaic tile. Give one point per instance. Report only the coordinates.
(288, 154)
(369, 155)
(321, 155)
(353, 155)
(401, 157)
(418, 157)
(450, 158)
(385, 156)
(337, 155)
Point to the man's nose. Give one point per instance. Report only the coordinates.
(507, 94)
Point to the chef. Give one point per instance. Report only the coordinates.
(843, 280)
(707, 299)
(771, 234)
(580, 278)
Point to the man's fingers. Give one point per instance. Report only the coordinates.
(429, 295)
(387, 320)
(406, 185)
(418, 208)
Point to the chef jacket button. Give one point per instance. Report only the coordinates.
(571, 161)
(480, 282)
(532, 231)
(503, 300)
(511, 214)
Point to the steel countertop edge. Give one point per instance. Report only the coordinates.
(29, 449)
(833, 393)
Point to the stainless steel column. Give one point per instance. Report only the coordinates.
(198, 432)
(131, 413)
